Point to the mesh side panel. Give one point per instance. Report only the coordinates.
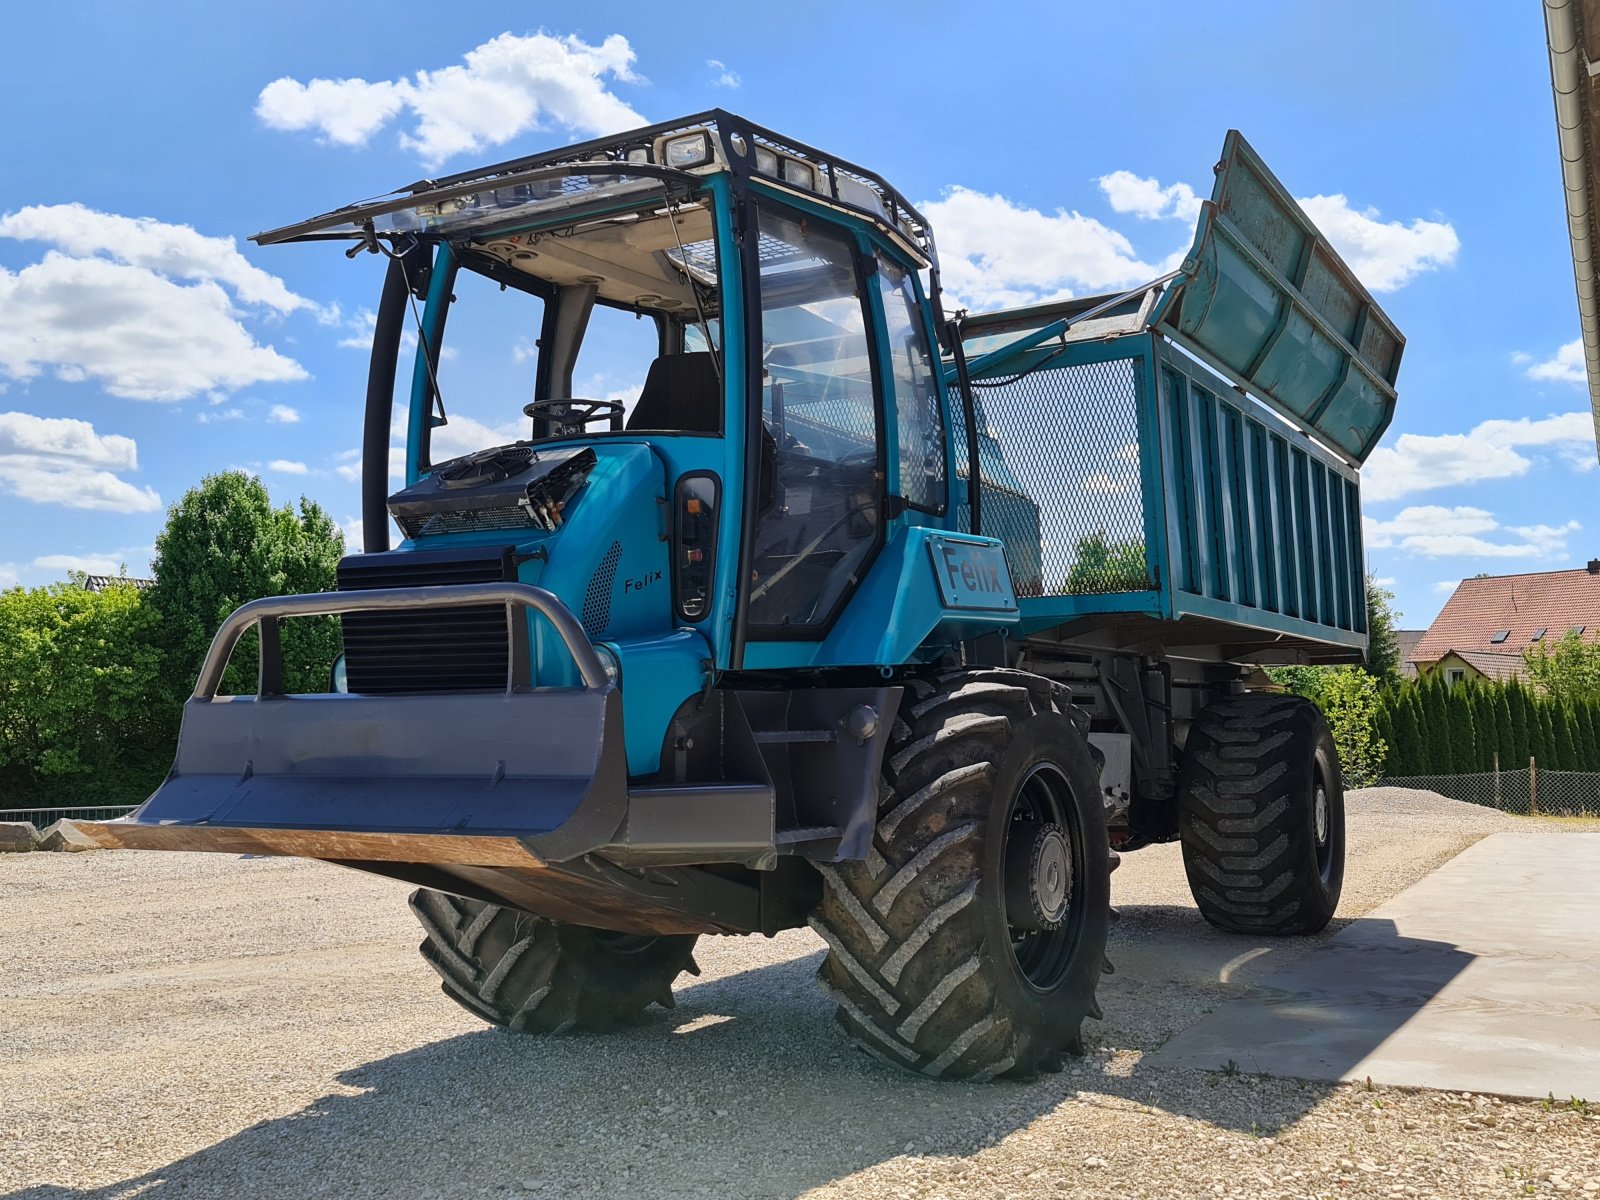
(1060, 458)
(512, 516)
(597, 600)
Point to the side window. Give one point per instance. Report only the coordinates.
(918, 421)
(818, 522)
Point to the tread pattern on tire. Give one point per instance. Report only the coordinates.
(532, 975)
(906, 942)
(1243, 831)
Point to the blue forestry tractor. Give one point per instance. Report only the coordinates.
(864, 615)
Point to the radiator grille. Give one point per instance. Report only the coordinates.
(426, 650)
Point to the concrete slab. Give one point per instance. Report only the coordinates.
(1483, 977)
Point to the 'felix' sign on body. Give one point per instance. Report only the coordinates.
(972, 575)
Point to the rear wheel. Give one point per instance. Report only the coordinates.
(1262, 815)
(540, 976)
(971, 941)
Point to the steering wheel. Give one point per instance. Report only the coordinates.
(573, 411)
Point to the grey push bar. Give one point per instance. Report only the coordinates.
(515, 596)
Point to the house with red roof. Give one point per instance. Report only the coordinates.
(1489, 623)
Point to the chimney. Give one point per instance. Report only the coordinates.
(1594, 566)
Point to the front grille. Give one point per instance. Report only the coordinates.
(426, 649)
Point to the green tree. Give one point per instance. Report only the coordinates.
(1541, 733)
(1522, 733)
(1350, 702)
(1383, 729)
(1411, 702)
(1436, 724)
(224, 544)
(1302, 681)
(1505, 733)
(1408, 736)
(1587, 711)
(76, 723)
(1104, 564)
(1463, 742)
(1567, 670)
(1383, 648)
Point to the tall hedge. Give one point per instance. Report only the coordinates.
(1434, 728)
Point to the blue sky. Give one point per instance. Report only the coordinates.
(1057, 149)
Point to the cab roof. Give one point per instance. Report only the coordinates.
(596, 176)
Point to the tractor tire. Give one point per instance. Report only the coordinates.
(970, 942)
(1261, 815)
(534, 975)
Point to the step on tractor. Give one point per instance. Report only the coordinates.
(847, 610)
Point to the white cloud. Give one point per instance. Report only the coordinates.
(1146, 198)
(286, 466)
(1565, 366)
(1445, 586)
(506, 87)
(213, 415)
(996, 254)
(175, 251)
(722, 77)
(106, 303)
(1490, 450)
(1385, 255)
(354, 531)
(58, 460)
(1433, 531)
(347, 112)
(282, 414)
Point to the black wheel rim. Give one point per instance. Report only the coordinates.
(1044, 957)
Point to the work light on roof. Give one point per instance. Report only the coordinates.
(685, 150)
(801, 174)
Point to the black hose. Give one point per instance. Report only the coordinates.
(380, 410)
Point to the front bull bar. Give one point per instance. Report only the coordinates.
(504, 795)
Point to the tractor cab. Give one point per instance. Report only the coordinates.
(689, 374)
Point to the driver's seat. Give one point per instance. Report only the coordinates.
(681, 393)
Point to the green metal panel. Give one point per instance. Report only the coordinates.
(1267, 300)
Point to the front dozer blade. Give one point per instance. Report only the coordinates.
(500, 779)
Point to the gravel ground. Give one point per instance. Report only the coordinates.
(195, 1025)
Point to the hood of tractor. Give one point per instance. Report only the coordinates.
(581, 522)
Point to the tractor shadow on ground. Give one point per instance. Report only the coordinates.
(763, 1097)
(1314, 1008)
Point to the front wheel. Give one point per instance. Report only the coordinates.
(971, 941)
(535, 975)
(1261, 808)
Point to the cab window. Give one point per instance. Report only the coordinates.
(820, 490)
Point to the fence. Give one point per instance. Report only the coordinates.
(49, 816)
(1529, 792)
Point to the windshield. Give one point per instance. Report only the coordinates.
(576, 318)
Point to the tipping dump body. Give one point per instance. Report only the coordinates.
(1179, 463)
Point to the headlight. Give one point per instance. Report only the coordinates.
(767, 161)
(610, 663)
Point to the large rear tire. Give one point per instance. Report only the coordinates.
(539, 976)
(971, 941)
(1262, 815)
